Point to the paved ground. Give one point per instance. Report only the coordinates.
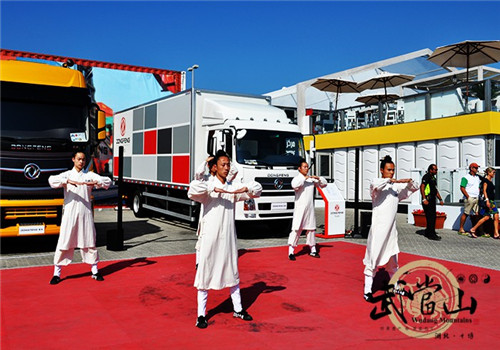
(159, 237)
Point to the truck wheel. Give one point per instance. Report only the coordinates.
(137, 202)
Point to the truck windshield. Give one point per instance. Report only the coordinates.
(31, 112)
(39, 120)
(270, 148)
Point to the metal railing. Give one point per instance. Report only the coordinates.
(462, 98)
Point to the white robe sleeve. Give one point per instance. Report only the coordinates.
(199, 191)
(58, 181)
(322, 182)
(232, 172)
(102, 181)
(298, 182)
(407, 190)
(200, 172)
(254, 191)
(378, 184)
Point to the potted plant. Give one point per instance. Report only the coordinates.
(420, 220)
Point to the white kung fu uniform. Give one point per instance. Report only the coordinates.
(303, 214)
(218, 265)
(77, 226)
(202, 174)
(218, 253)
(382, 246)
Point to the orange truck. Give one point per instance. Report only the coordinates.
(47, 114)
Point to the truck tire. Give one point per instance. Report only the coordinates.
(137, 202)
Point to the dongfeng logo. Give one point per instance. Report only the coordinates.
(123, 126)
(278, 184)
(32, 171)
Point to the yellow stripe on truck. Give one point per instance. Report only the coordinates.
(5, 203)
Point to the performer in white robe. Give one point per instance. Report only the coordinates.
(382, 246)
(77, 225)
(303, 214)
(206, 172)
(218, 257)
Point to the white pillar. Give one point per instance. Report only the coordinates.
(302, 118)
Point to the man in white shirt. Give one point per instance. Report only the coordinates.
(470, 187)
(77, 225)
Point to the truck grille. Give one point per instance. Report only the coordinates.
(270, 184)
(18, 213)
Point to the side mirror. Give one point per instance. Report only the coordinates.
(101, 126)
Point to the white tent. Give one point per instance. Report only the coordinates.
(302, 96)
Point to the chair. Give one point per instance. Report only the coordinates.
(350, 120)
(390, 118)
(361, 121)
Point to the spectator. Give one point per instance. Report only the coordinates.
(429, 192)
(488, 208)
(470, 188)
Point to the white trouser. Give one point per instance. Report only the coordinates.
(57, 270)
(391, 267)
(293, 239)
(203, 297)
(64, 257)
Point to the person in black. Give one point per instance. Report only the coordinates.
(429, 192)
(488, 208)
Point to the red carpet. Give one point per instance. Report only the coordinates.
(150, 303)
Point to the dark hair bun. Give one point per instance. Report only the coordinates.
(386, 160)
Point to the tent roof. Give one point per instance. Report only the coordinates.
(414, 63)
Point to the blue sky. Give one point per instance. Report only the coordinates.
(246, 47)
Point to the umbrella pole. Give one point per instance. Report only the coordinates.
(386, 104)
(342, 126)
(467, 86)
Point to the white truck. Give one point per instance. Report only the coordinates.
(165, 141)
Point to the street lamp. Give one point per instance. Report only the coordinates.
(193, 119)
(191, 69)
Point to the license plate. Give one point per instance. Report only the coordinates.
(32, 230)
(278, 206)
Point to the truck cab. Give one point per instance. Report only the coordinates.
(265, 147)
(47, 114)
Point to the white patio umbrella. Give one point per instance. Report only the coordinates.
(467, 54)
(385, 80)
(375, 98)
(336, 85)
